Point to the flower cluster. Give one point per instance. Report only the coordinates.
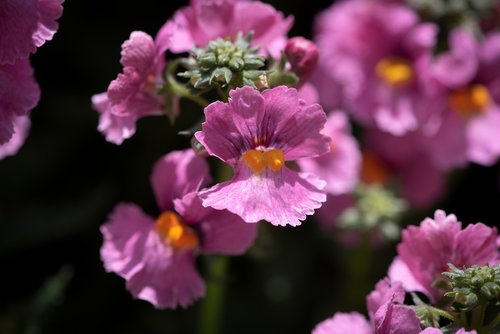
(25, 26)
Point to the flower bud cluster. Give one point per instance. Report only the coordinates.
(471, 285)
(224, 62)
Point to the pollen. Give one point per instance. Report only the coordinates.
(394, 71)
(257, 160)
(175, 232)
(470, 101)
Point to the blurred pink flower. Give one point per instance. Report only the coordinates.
(426, 250)
(26, 25)
(21, 129)
(375, 62)
(156, 257)
(206, 20)
(256, 133)
(342, 323)
(134, 93)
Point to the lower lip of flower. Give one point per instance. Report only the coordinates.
(470, 101)
(175, 232)
(257, 160)
(394, 71)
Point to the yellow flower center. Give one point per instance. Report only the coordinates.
(470, 101)
(258, 160)
(174, 232)
(394, 71)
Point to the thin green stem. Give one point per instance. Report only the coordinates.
(478, 313)
(179, 89)
(212, 307)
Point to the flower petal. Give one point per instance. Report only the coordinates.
(342, 323)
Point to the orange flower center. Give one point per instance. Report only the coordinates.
(373, 170)
(470, 101)
(258, 160)
(394, 71)
(174, 232)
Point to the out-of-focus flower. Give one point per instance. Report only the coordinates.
(25, 26)
(426, 251)
(256, 133)
(135, 92)
(21, 129)
(342, 323)
(19, 93)
(302, 54)
(156, 257)
(375, 59)
(340, 168)
(469, 128)
(206, 20)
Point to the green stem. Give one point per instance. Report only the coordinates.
(180, 90)
(212, 306)
(478, 313)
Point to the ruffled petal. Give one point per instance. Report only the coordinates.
(476, 244)
(138, 52)
(176, 174)
(393, 318)
(282, 198)
(48, 12)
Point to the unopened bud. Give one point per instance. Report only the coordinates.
(303, 57)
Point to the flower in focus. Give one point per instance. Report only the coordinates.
(206, 20)
(375, 59)
(135, 92)
(256, 133)
(156, 256)
(426, 250)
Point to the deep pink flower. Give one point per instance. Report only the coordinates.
(341, 167)
(426, 251)
(19, 93)
(470, 73)
(256, 133)
(21, 128)
(342, 323)
(156, 256)
(26, 25)
(302, 54)
(375, 59)
(385, 291)
(206, 20)
(134, 93)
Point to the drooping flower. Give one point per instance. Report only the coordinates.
(19, 93)
(156, 256)
(134, 93)
(375, 61)
(426, 251)
(469, 72)
(206, 20)
(256, 133)
(25, 25)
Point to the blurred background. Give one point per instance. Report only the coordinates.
(57, 191)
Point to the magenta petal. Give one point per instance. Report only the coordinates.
(385, 291)
(393, 318)
(476, 244)
(214, 17)
(483, 137)
(176, 174)
(399, 272)
(342, 323)
(48, 12)
(21, 129)
(138, 52)
(282, 198)
(431, 330)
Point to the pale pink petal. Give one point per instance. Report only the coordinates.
(176, 174)
(21, 129)
(476, 244)
(48, 12)
(281, 198)
(431, 330)
(463, 331)
(483, 137)
(342, 323)
(393, 318)
(214, 17)
(399, 272)
(309, 93)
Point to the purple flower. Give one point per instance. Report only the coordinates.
(134, 93)
(206, 20)
(256, 133)
(26, 25)
(470, 73)
(342, 323)
(426, 250)
(340, 168)
(375, 59)
(156, 256)
(19, 93)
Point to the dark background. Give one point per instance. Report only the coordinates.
(58, 190)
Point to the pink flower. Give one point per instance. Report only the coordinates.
(426, 250)
(375, 60)
(134, 93)
(26, 25)
(156, 256)
(19, 93)
(469, 71)
(341, 167)
(21, 129)
(206, 20)
(385, 291)
(256, 133)
(302, 54)
(342, 323)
